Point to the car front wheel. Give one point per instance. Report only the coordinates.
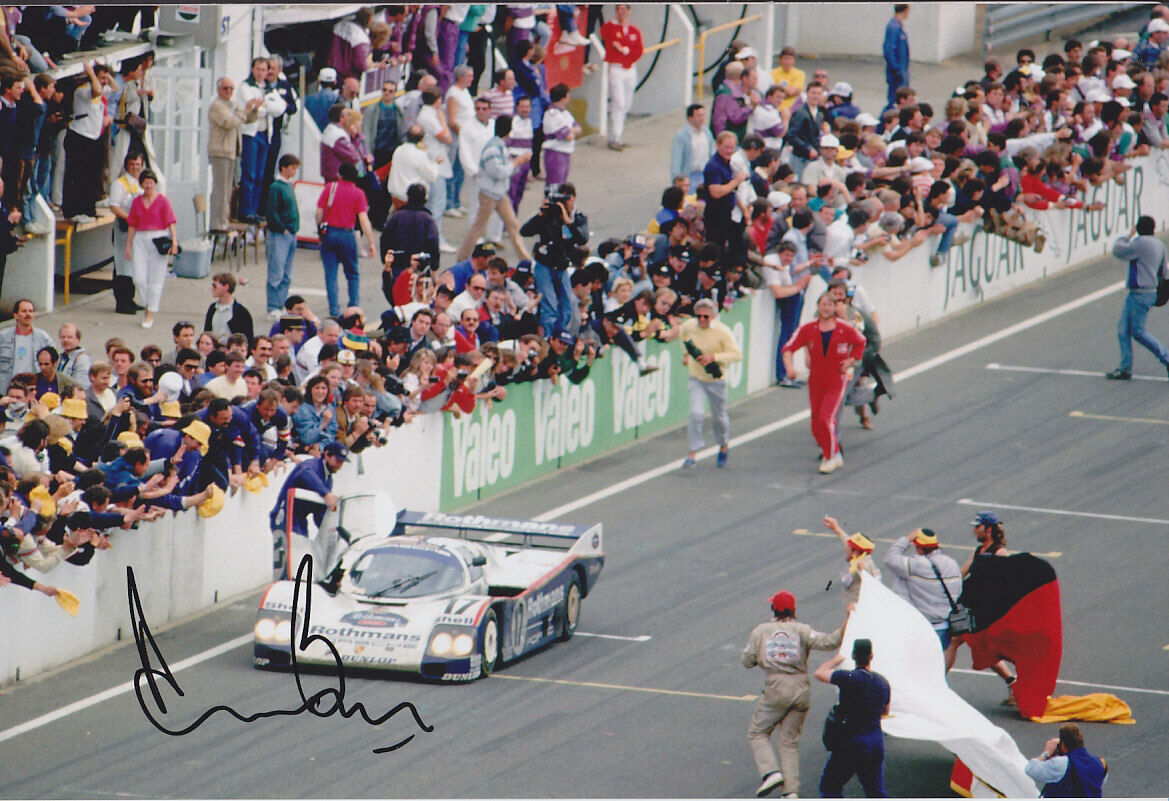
(489, 645)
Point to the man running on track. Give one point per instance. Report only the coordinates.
(834, 347)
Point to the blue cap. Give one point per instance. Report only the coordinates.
(565, 337)
(337, 449)
(986, 519)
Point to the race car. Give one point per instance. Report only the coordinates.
(447, 596)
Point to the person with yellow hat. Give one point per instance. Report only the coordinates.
(781, 647)
(925, 577)
(858, 551)
(62, 455)
(180, 491)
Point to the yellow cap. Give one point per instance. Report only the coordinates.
(211, 506)
(199, 431)
(48, 505)
(68, 601)
(924, 536)
(171, 409)
(255, 483)
(51, 399)
(73, 408)
(861, 542)
(130, 439)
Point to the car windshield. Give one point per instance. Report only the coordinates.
(400, 572)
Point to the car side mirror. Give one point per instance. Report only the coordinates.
(478, 560)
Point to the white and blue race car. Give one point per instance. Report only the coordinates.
(447, 596)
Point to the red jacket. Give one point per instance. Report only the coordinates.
(1034, 185)
(612, 33)
(846, 342)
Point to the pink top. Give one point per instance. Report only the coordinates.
(156, 217)
(348, 202)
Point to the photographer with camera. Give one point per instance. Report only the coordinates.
(561, 230)
(411, 229)
(400, 286)
(714, 348)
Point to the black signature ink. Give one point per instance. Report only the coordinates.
(327, 702)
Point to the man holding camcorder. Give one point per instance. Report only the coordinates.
(562, 231)
(710, 347)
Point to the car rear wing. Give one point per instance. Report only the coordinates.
(579, 540)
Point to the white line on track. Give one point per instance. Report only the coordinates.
(1088, 684)
(121, 689)
(771, 428)
(621, 486)
(638, 638)
(1081, 373)
(1065, 512)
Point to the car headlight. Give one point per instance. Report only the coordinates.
(265, 629)
(441, 644)
(283, 631)
(463, 645)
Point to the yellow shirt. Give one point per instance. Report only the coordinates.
(716, 341)
(794, 77)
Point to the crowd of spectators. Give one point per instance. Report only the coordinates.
(789, 178)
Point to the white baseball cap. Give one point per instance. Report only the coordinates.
(1120, 55)
(778, 200)
(1158, 26)
(327, 75)
(828, 140)
(841, 89)
(920, 164)
(746, 53)
(865, 119)
(1123, 82)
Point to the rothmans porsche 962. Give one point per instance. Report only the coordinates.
(447, 596)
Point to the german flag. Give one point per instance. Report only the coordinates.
(1015, 604)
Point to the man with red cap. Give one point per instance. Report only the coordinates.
(781, 646)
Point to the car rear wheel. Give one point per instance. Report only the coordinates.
(489, 645)
(571, 611)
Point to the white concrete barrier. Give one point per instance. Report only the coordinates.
(184, 563)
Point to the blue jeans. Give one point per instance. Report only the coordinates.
(281, 250)
(1132, 326)
(461, 47)
(44, 176)
(789, 318)
(951, 222)
(436, 202)
(555, 297)
(454, 184)
(340, 245)
(253, 157)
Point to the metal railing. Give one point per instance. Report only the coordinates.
(1016, 22)
(701, 46)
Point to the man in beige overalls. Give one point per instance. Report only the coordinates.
(781, 647)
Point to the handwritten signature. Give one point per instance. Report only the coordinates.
(325, 703)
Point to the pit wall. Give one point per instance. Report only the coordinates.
(186, 563)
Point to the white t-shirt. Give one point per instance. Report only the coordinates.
(23, 359)
(223, 388)
(436, 151)
(89, 126)
(123, 191)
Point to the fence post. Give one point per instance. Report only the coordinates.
(688, 43)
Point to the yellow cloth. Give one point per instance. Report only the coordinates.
(794, 77)
(68, 601)
(1095, 707)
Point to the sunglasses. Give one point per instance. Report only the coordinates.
(702, 316)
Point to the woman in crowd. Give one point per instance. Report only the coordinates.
(151, 240)
(314, 424)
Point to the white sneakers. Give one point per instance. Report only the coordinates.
(573, 38)
(770, 782)
(828, 465)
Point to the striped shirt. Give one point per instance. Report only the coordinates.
(502, 103)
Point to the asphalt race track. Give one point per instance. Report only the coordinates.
(655, 703)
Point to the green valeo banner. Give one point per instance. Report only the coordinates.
(541, 427)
